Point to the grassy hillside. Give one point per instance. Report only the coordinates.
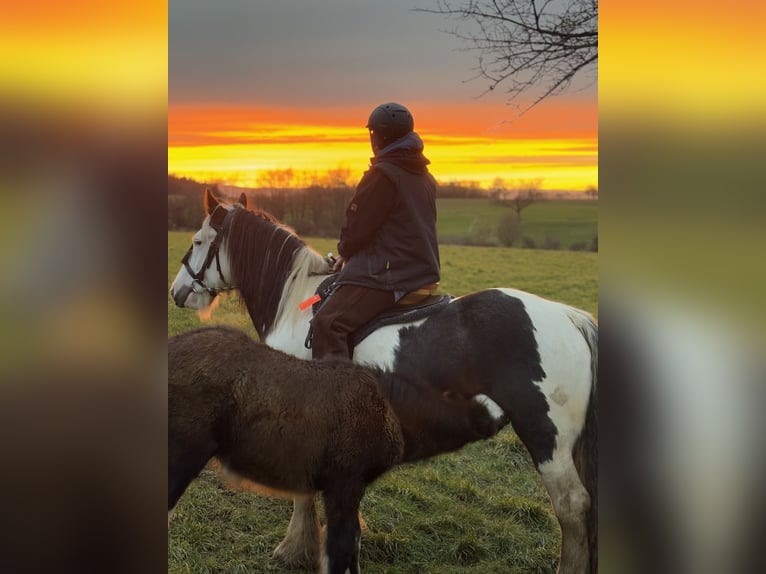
(480, 510)
(476, 220)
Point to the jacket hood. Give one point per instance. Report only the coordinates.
(406, 152)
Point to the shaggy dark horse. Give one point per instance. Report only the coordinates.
(303, 427)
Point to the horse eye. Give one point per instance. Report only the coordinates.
(197, 242)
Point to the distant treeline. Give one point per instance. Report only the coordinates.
(318, 211)
(315, 210)
(185, 210)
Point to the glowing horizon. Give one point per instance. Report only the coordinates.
(238, 146)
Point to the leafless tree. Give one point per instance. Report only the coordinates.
(522, 200)
(524, 194)
(533, 47)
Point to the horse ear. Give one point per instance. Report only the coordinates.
(242, 200)
(210, 202)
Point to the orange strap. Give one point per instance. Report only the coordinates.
(309, 302)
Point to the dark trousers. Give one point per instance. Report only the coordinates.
(350, 307)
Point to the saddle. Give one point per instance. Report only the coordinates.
(408, 309)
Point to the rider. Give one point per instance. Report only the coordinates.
(388, 246)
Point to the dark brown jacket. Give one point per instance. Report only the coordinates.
(389, 239)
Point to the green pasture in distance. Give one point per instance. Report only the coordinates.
(570, 277)
(476, 221)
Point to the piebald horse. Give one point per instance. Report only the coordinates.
(535, 358)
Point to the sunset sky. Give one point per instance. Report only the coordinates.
(258, 86)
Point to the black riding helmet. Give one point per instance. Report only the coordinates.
(387, 123)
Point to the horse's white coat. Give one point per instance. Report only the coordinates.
(301, 544)
(565, 358)
(289, 337)
(379, 349)
(571, 501)
(494, 410)
(198, 298)
(325, 567)
(289, 332)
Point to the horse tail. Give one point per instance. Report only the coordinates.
(586, 448)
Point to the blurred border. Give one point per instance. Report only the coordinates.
(682, 112)
(83, 162)
(83, 93)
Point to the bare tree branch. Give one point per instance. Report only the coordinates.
(530, 47)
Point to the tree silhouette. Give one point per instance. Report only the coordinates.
(522, 200)
(525, 193)
(533, 47)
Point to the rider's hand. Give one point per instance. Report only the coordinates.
(340, 261)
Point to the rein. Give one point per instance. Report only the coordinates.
(213, 251)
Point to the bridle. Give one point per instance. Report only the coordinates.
(218, 223)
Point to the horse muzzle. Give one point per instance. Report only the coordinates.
(181, 295)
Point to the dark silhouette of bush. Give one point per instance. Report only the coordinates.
(318, 211)
(578, 246)
(551, 243)
(185, 210)
(508, 230)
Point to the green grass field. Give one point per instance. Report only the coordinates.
(476, 220)
(479, 510)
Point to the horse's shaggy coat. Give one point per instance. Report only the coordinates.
(303, 426)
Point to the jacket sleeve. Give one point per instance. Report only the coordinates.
(374, 198)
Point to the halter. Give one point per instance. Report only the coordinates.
(218, 223)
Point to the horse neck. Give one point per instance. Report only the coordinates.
(430, 424)
(269, 264)
(307, 272)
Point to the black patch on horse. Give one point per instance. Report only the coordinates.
(465, 349)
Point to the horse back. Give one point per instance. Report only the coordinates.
(522, 351)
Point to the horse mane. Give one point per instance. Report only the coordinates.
(306, 263)
(263, 253)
